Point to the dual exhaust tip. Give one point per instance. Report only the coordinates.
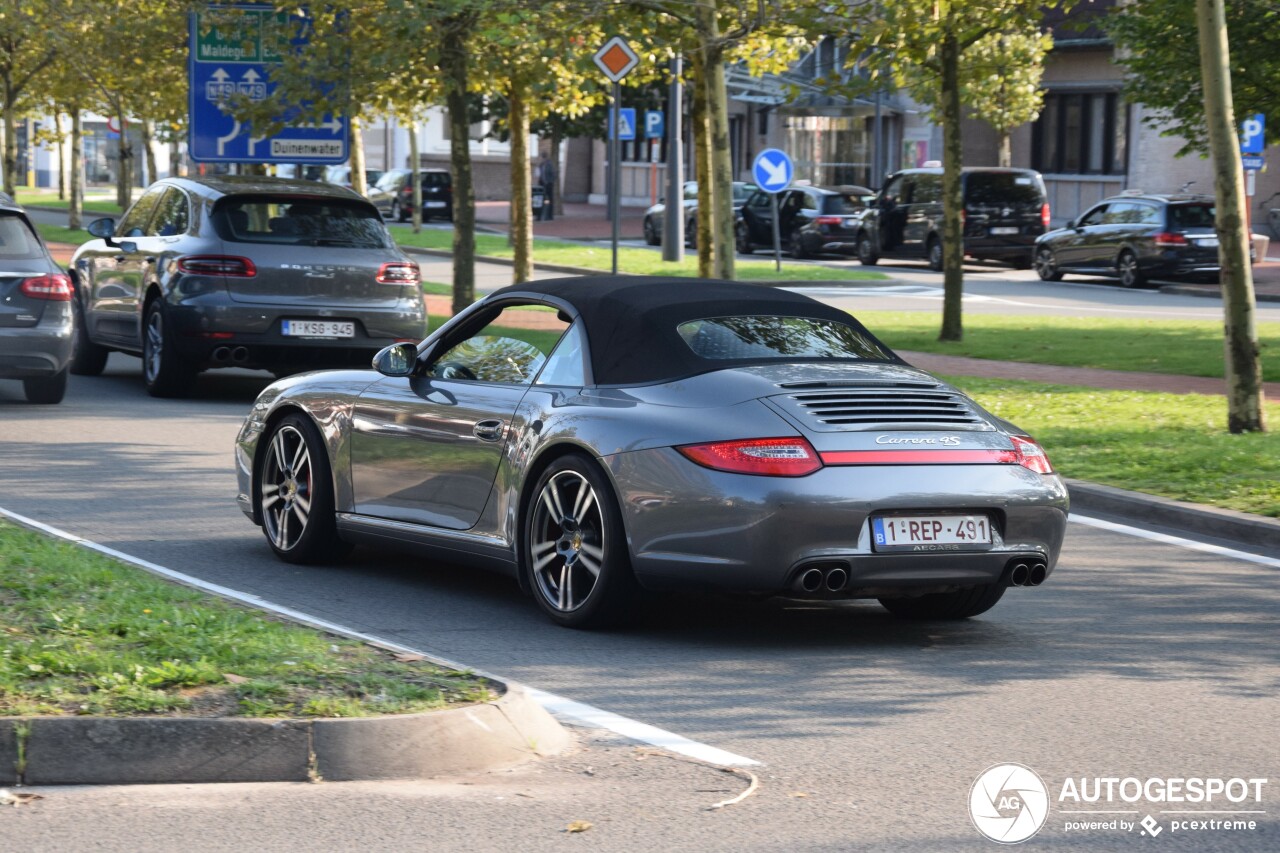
(231, 355)
(1027, 572)
(830, 579)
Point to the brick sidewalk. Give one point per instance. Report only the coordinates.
(579, 222)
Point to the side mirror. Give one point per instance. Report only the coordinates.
(396, 360)
(1071, 223)
(103, 229)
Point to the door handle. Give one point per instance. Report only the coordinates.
(488, 430)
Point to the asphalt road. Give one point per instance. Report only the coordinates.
(1138, 659)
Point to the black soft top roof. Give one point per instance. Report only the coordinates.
(631, 321)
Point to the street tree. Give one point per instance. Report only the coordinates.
(921, 46)
(24, 54)
(1000, 81)
(1245, 410)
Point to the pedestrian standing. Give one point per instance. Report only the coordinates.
(546, 174)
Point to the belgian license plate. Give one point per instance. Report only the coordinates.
(433, 204)
(931, 533)
(318, 328)
(1000, 232)
(1207, 242)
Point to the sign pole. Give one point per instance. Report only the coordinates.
(615, 169)
(777, 239)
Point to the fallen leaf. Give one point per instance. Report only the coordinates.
(18, 798)
(408, 657)
(234, 679)
(798, 794)
(578, 826)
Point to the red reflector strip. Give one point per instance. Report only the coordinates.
(920, 457)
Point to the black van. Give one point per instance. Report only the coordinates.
(1005, 210)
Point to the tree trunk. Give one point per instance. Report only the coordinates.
(124, 174)
(62, 158)
(75, 210)
(10, 147)
(721, 164)
(557, 192)
(1006, 150)
(952, 199)
(521, 201)
(357, 156)
(415, 172)
(149, 152)
(1245, 411)
(701, 167)
(176, 167)
(454, 64)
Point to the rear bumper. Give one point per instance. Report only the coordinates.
(40, 350)
(692, 527)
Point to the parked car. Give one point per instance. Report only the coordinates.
(655, 217)
(341, 175)
(1005, 210)
(594, 436)
(741, 192)
(1135, 237)
(393, 194)
(265, 273)
(811, 220)
(37, 334)
(309, 172)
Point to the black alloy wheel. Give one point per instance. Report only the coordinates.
(1047, 265)
(1127, 267)
(934, 254)
(293, 487)
(867, 255)
(164, 371)
(651, 235)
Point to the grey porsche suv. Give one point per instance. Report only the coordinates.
(265, 273)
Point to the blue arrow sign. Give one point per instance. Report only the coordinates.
(1252, 134)
(626, 123)
(233, 49)
(772, 170)
(654, 124)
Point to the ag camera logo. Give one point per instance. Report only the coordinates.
(1008, 803)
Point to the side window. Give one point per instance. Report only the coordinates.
(567, 364)
(135, 221)
(908, 190)
(811, 202)
(928, 190)
(891, 193)
(171, 216)
(1123, 213)
(1151, 215)
(389, 180)
(1093, 217)
(759, 201)
(510, 350)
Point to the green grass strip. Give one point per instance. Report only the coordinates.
(84, 634)
(62, 234)
(1174, 445)
(1188, 347)
(37, 198)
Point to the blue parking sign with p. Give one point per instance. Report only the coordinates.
(654, 124)
(1253, 134)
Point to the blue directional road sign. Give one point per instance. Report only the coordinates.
(1253, 162)
(772, 170)
(1252, 135)
(233, 49)
(626, 123)
(654, 124)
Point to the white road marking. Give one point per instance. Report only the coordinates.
(1168, 539)
(586, 714)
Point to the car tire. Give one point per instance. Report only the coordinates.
(946, 605)
(742, 235)
(293, 488)
(164, 371)
(1047, 265)
(691, 234)
(397, 211)
(867, 255)
(933, 253)
(585, 549)
(798, 250)
(651, 235)
(46, 389)
(87, 358)
(1128, 271)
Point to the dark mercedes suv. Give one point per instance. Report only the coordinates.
(267, 273)
(1005, 210)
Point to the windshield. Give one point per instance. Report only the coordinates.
(1003, 188)
(294, 221)
(841, 204)
(773, 337)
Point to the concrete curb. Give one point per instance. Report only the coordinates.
(162, 750)
(1193, 290)
(1241, 527)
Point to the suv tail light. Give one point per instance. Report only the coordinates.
(767, 457)
(398, 273)
(1030, 455)
(228, 265)
(1044, 215)
(55, 287)
(1170, 238)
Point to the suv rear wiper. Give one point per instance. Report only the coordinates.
(332, 241)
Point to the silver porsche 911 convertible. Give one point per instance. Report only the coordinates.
(599, 437)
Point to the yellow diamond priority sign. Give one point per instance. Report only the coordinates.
(616, 58)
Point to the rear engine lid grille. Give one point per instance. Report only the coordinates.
(879, 405)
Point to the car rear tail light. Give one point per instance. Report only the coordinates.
(398, 273)
(228, 265)
(408, 190)
(1030, 455)
(1044, 215)
(829, 220)
(54, 288)
(1170, 238)
(767, 457)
